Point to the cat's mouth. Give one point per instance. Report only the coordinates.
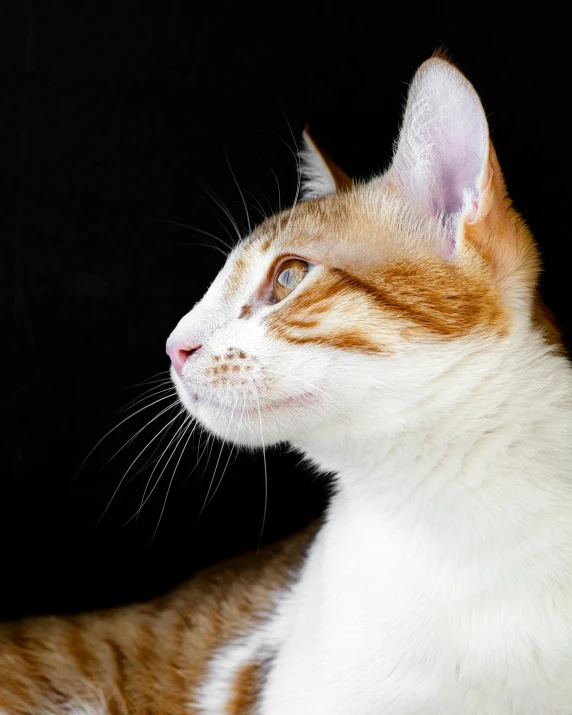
(249, 416)
(245, 407)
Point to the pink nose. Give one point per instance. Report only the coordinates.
(179, 353)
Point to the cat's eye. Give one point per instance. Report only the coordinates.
(289, 276)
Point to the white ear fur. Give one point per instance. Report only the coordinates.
(317, 179)
(441, 157)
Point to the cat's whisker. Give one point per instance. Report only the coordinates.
(151, 383)
(218, 459)
(154, 390)
(265, 468)
(107, 434)
(152, 459)
(279, 202)
(299, 379)
(209, 446)
(145, 497)
(210, 235)
(229, 455)
(134, 437)
(206, 245)
(199, 230)
(204, 440)
(180, 433)
(240, 192)
(199, 454)
(292, 209)
(172, 476)
(203, 445)
(298, 175)
(298, 172)
(294, 151)
(118, 487)
(259, 207)
(211, 194)
(153, 378)
(147, 395)
(217, 422)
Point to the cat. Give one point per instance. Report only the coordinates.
(392, 333)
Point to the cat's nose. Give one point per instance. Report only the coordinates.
(180, 352)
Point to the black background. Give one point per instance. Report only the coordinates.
(118, 122)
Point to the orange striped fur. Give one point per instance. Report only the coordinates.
(145, 659)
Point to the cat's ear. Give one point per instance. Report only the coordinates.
(320, 176)
(441, 161)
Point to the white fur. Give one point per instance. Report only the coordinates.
(441, 582)
(214, 693)
(216, 690)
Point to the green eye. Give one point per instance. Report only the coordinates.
(289, 276)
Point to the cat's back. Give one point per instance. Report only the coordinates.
(149, 658)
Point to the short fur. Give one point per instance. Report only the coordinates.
(417, 364)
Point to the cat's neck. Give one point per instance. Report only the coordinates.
(494, 427)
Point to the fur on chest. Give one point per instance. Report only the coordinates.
(394, 632)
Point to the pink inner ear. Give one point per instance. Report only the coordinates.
(443, 145)
(457, 167)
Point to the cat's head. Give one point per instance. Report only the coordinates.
(340, 313)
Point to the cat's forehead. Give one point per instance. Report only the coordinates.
(357, 230)
(317, 226)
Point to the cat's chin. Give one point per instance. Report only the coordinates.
(264, 422)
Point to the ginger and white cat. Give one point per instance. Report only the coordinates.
(391, 332)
